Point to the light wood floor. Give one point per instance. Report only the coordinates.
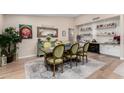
(15, 70)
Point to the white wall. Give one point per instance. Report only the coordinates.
(122, 37)
(1, 23)
(28, 47)
(87, 18)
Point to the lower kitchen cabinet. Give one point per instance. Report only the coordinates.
(94, 47)
(113, 50)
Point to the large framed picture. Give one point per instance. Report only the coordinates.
(25, 31)
(45, 31)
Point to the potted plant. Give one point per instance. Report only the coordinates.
(3, 44)
(9, 40)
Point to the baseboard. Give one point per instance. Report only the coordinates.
(27, 56)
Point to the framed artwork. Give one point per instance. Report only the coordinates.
(45, 31)
(63, 33)
(25, 31)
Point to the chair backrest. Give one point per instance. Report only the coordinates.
(86, 46)
(58, 51)
(47, 44)
(58, 43)
(74, 48)
(52, 43)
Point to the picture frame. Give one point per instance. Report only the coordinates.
(64, 33)
(25, 31)
(45, 31)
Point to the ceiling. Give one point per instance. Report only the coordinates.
(61, 15)
(56, 15)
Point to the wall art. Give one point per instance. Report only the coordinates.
(25, 31)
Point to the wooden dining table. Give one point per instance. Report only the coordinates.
(50, 50)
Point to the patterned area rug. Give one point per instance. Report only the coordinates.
(120, 70)
(37, 70)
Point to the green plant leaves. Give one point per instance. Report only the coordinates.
(10, 37)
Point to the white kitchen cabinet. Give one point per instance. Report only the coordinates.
(109, 49)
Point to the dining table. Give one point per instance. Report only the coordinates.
(50, 50)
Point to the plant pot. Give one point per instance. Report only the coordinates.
(10, 59)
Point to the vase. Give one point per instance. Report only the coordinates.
(3, 60)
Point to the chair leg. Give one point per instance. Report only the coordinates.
(45, 62)
(76, 60)
(86, 59)
(80, 59)
(47, 67)
(62, 67)
(53, 70)
(83, 59)
(70, 63)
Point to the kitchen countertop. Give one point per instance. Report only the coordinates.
(103, 43)
(106, 43)
(109, 44)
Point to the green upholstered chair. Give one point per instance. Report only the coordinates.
(47, 44)
(72, 53)
(83, 51)
(52, 43)
(56, 58)
(58, 43)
